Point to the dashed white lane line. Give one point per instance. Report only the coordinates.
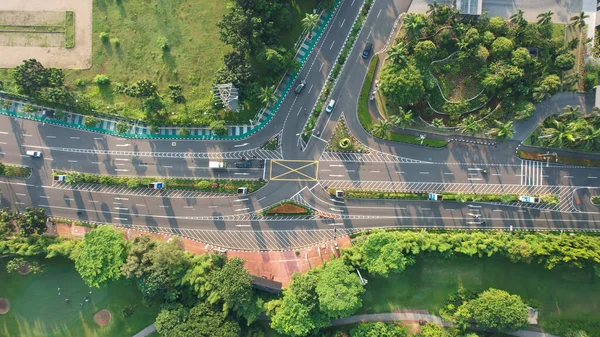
(448, 173)
(400, 172)
(121, 159)
(69, 199)
(24, 135)
(379, 12)
(122, 219)
(189, 207)
(96, 162)
(332, 43)
(474, 179)
(592, 177)
(239, 200)
(21, 194)
(423, 172)
(241, 174)
(167, 166)
(497, 210)
(568, 177)
(117, 203)
(74, 138)
(119, 164)
(496, 174)
(325, 170)
(350, 170)
(19, 203)
(163, 206)
(140, 205)
(121, 145)
(143, 165)
(336, 175)
(242, 209)
(375, 171)
(426, 209)
(119, 198)
(450, 209)
(72, 161)
(92, 201)
(3, 143)
(342, 25)
(44, 196)
(3, 133)
(213, 206)
(336, 165)
(122, 170)
(98, 138)
(51, 137)
(122, 208)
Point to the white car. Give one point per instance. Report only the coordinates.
(34, 154)
(330, 106)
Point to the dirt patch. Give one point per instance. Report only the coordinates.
(4, 306)
(287, 209)
(25, 269)
(102, 317)
(48, 48)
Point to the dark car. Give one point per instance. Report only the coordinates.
(367, 50)
(300, 87)
(243, 164)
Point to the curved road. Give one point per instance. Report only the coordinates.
(303, 174)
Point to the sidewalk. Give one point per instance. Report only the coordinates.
(273, 265)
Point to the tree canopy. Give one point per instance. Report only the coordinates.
(201, 321)
(103, 253)
(497, 309)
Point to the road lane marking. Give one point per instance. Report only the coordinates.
(19, 203)
(496, 174)
(336, 175)
(261, 199)
(74, 138)
(400, 172)
(375, 171)
(241, 145)
(3, 132)
(332, 43)
(143, 165)
(121, 145)
(342, 25)
(568, 177)
(44, 196)
(140, 205)
(189, 207)
(122, 208)
(336, 165)
(98, 138)
(449, 173)
(450, 209)
(497, 210)
(474, 179)
(117, 198)
(121, 170)
(242, 174)
(92, 201)
(237, 200)
(121, 159)
(3, 143)
(368, 36)
(50, 136)
(213, 206)
(423, 172)
(72, 161)
(310, 89)
(242, 225)
(241, 209)
(21, 194)
(324, 170)
(592, 177)
(350, 170)
(163, 206)
(27, 135)
(321, 66)
(122, 219)
(379, 12)
(352, 4)
(167, 166)
(96, 162)
(119, 164)
(117, 203)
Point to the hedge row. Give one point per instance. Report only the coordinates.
(219, 186)
(14, 171)
(551, 199)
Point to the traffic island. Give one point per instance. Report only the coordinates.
(202, 185)
(563, 158)
(287, 207)
(343, 141)
(548, 199)
(595, 200)
(14, 171)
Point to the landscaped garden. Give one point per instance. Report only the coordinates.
(157, 61)
(39, 308)
(455, 73)
(287, 207)
(343, 141)
(14, 171)
(217, 186)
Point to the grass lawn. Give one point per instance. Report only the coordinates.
(37, 310)
(562, 292)
(457, 79)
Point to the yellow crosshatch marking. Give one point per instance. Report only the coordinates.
(292, 168)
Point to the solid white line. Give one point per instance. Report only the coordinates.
(332, 43)
(74, 138)
(27, 135)
(241, 209)
(117, 198)
(72, 161)
(50, 136)
(121, 145)
(379, 12)
(121, 159)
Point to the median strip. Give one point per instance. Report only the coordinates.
(14, 171)
(229, 186)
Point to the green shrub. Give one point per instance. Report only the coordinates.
(116, 42)
(90, 121)
(104, 37)
(162, 43)
(121, 127)
(183, 132)
(101, 79)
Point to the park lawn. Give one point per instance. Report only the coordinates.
(299, 9)
(37, 310)
(565, 293)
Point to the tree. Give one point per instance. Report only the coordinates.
(520, 57)
(103, 253)
(397, 53)
(121, 127)
(183, 132)
(339, 290)
(101, 80)
(144, 88)
(579, 20)
(157, 267)
(552, 82)
(199, 273)
(541, 93)
(589, 137)
(237, 70)
(267, 95)
(201, 321)
(432, 330)
(432, 8)
(403, 119)
(404, 86)
(90, 121)
(381, 129)
(380, 254)
(31, 77)
(413, 23)
(570, 112)
(275, 60)
(565, 61)
(497, 26)
(517, 18)
(231, 286)
(502, 130)
(6, 220)
(470, 125)
(502, 47)
(219, 128)
(559, 135)
(18, 263)
(497, 309)
(378, 329)
(425, 52)
(33, 221)
(310, 22)
(545, 18)
(176, 93)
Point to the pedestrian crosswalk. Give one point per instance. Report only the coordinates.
(532, 173)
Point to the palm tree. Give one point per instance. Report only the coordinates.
(381, 129)
(310, 22)
(559, 135)
(438, 123)
(403, 119)
(517, 18)
(570, 113)
(397, 53)
(470, 124)
(463, 45)
(541, 93)
(502, 130)
(267, 95)
(433, 7)
(579, 20)
(413, 23)
(545, 18)
(589, 136)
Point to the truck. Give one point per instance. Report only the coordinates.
(435, 196)
(156, 185)
(34, 154)
(60, 177)
(529, 199)
(217, 164)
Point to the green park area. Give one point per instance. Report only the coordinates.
(157, 60)
(36, 308)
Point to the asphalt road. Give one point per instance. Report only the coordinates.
(302, 173)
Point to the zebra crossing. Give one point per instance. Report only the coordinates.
(373, 156)
(142, 192)
(250, 153)
(532, 173)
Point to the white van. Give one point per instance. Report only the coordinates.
(330, 106)
(34, 154)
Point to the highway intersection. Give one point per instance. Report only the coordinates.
(297, 171)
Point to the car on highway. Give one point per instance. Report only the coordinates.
(367, 51)
(243, 164)
(529, 199)
(300, 87)
(34, 154)
(330, 106)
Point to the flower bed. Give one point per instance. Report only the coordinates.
(343, 141)
(204, 185)
(287, 207)
(596, 200)
(14, 171)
